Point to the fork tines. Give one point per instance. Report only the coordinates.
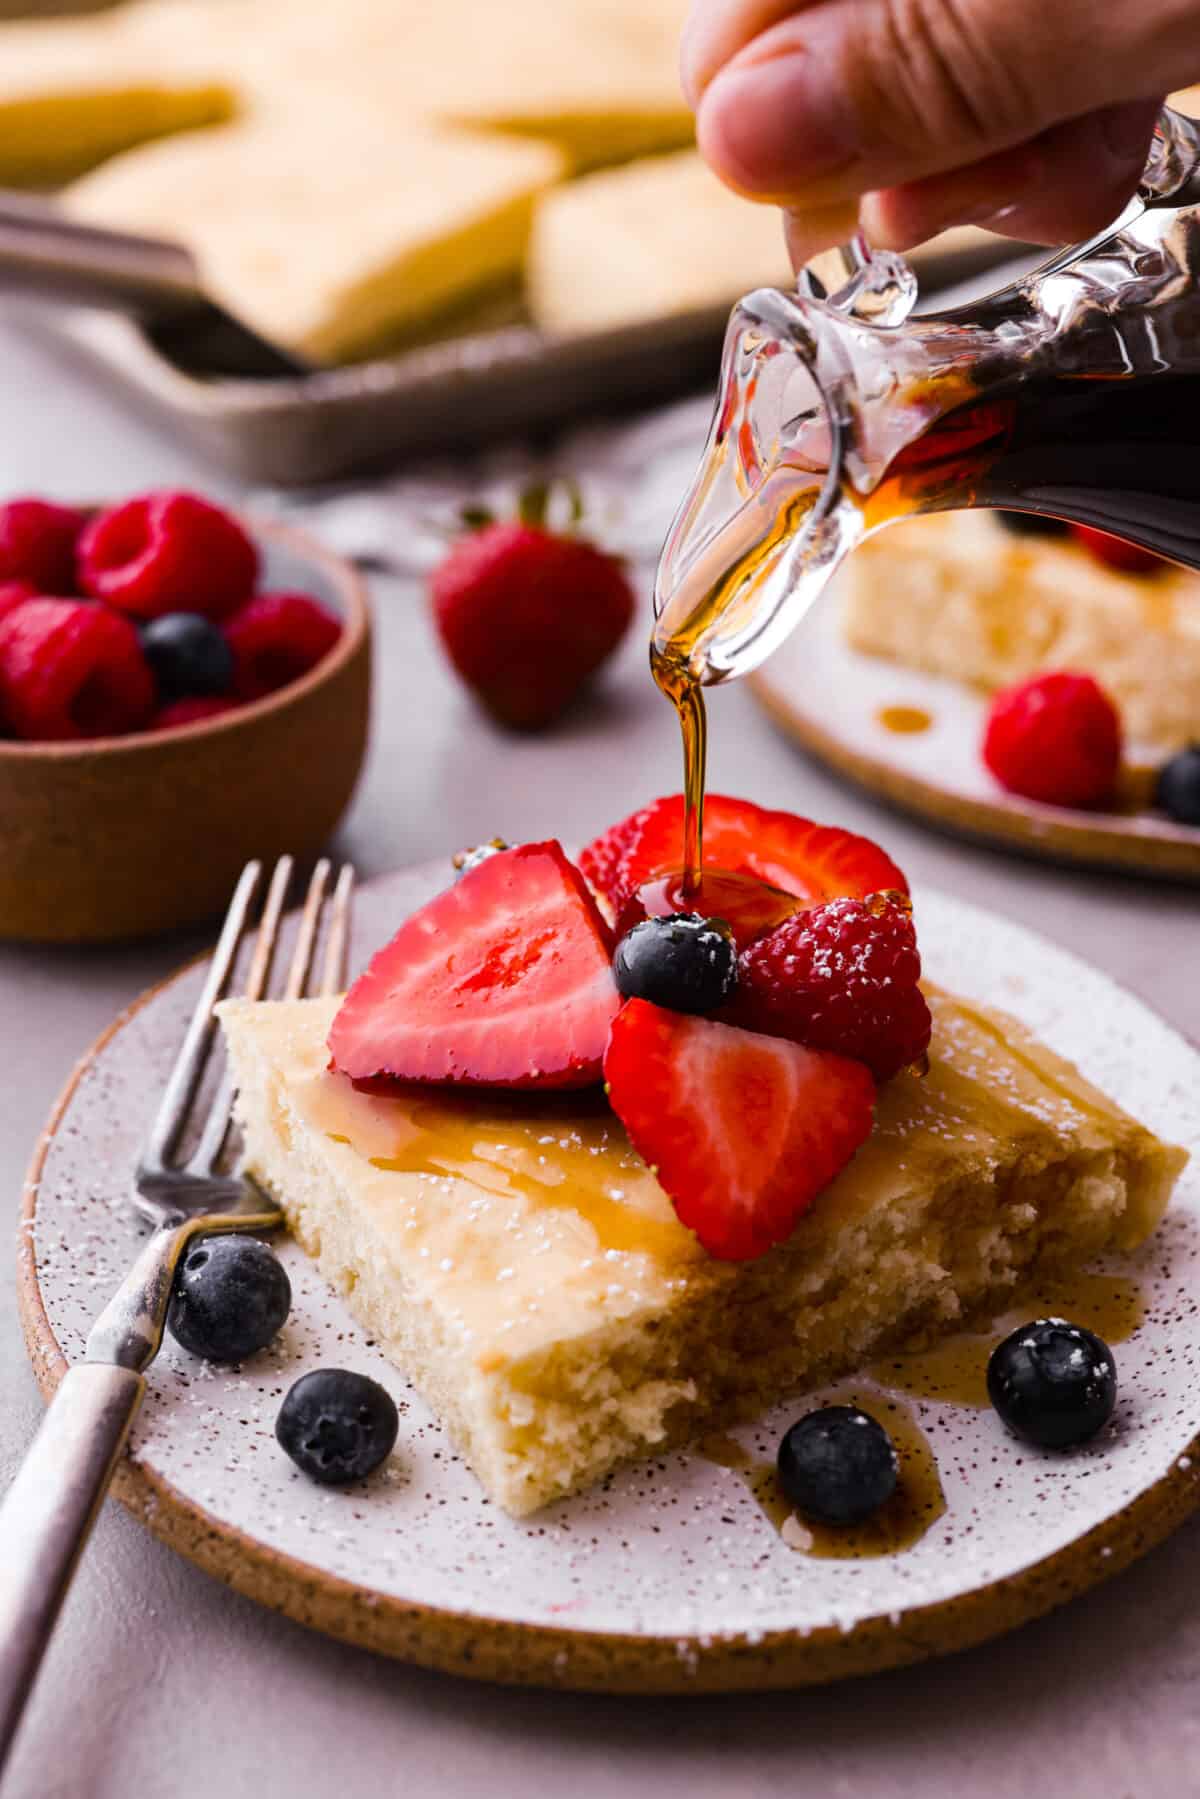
(325, 912)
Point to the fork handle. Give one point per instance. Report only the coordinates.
(47, 1514)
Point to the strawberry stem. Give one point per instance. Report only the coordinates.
(533, 503)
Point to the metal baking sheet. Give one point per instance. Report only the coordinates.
(515, 381)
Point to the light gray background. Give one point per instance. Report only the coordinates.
(164, 1684)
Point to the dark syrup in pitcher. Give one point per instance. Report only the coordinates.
(1121, 453)
(1073, 392)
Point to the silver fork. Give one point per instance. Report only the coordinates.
(49, 1509)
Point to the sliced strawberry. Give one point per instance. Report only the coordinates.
(750, 907)
(743, 1131)
(600, 862)
(503, 980)
(813, 862)
(14, 594)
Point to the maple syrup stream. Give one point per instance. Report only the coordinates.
(960, 461)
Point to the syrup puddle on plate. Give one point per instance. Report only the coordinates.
(904, 721)
(954, 1371)
(917, 1503)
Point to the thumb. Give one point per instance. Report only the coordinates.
(843, 97)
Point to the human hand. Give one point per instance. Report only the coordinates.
(1032, 117)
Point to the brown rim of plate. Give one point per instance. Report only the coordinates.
(1051, 833)
(351, 591)
(509, 1652)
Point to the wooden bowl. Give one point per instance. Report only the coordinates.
(121, 837)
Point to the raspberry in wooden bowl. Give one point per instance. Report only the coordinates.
(199, 696)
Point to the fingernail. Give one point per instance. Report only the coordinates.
(772, 127)
(809, 232)
(953, 217)
(987, 214)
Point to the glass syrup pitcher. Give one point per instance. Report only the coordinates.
(1073, 392)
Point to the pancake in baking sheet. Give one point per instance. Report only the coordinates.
(326, 240)
(74, 91)
(651, 238)
(597, 77)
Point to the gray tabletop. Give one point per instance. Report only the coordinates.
(164, 1683)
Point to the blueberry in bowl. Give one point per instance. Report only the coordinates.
(189, 655)
(144, 761)
(1178, 788)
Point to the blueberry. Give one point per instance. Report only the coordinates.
(838, 1465)
(231, 1297)
(1033, 524)
(188, 654)
(466, 860)
(684, 962)
(1053, 1383)
(1179, 786)
(337, 1426)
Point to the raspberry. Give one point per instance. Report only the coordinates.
(276, 638)
(14, 594)
(1055, 738)
(190, 711)
(168, 552)
(37, 544)
(843, 977)
(70, 669)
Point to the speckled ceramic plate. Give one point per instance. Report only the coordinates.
(669, 1576)
(835, 701)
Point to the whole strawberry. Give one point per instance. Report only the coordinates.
(527, 614)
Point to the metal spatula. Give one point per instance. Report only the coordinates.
(45, 254)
